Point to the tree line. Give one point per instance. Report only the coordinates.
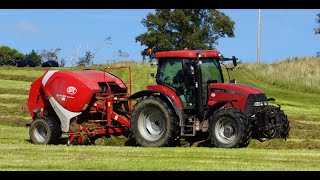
(8, 56)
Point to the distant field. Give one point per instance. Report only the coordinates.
(297, 92)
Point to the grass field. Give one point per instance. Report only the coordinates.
(300, 152)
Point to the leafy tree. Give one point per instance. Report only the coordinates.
(176, 29)
(317, 30)
(121, 55)
(34, 56)
(83, 61)
(8, 54)
(118, 56)
(62, 62)
(52, 54)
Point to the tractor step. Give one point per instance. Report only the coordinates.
(191, 126)
(188, 130)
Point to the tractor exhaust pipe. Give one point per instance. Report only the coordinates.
(199, 90)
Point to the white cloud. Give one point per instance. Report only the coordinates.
(27, 27)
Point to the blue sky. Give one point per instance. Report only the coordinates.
(284, 33)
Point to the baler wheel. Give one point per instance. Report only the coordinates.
(45, 131)
(229, 128)
(153, 123)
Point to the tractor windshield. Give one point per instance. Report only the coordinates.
(211, 71)
(168, 68)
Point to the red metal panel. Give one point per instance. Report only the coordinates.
(240, 88)
(70, 90)
(94, 76)
(74, 89)
(169, 92)
(231, 91)
(188, 54)
(120, 119)
(36, 97)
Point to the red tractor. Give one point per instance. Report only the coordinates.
(190, 100)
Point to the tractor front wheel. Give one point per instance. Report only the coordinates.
(229, 128)
(45, 131)
(282, 123)
(153, 123)
(277, 126)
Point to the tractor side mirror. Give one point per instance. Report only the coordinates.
(234, 60)
(233, 81)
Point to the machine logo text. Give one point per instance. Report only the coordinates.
(71, 90)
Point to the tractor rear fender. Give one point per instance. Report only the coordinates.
(217, 106)
(142, 93)
(166, 98)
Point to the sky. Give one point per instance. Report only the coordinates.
(285, 33)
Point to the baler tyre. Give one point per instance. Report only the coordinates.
(282, 123)
(45, 131)
(229, 128)
(153, 123)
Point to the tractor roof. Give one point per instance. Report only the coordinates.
(188, 53)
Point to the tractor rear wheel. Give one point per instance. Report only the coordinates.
(45, 131)
(153, 123)
(229, 128)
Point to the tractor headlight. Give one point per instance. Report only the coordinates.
(260, 103)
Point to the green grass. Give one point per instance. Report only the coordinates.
(300, 101)
(7, 105)
(17, 153)
(22, 72)
(13, 84)
(16, 96)
(311, 122)
(300, 74)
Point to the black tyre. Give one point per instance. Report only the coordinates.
(153, 123)
(277, 127)
(229, 128)
(282, 125)
(45, 131)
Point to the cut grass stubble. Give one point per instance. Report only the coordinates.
(299, 152)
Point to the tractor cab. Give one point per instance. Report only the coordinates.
(183, 72)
